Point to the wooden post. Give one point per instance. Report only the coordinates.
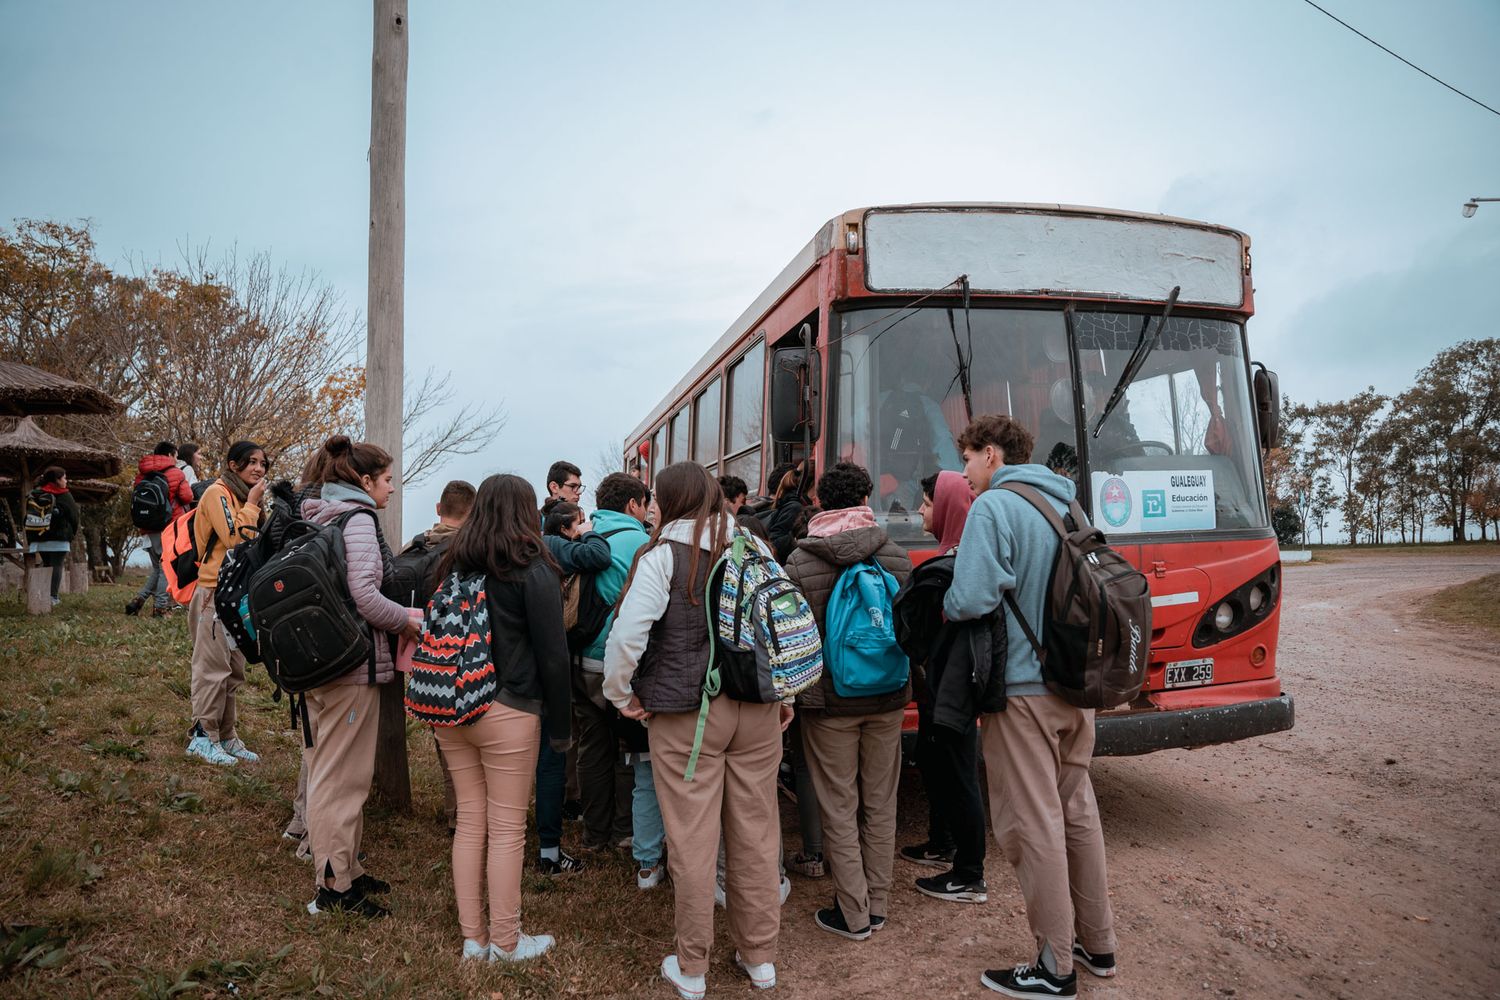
(384, 360)
(38, 590)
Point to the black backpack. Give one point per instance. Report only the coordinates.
(232, 595)
(308, 628)
(592, 610)
(1096, 618)
(151, 503)
(413, 579)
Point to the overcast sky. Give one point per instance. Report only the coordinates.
(594, 191)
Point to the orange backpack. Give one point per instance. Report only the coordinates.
(180, 557)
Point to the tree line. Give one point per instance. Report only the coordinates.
(1394, 467)
(211, 350)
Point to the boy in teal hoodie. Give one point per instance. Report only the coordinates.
(606, 788)
(1036, 751)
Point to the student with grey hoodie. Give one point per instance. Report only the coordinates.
(1037, 750)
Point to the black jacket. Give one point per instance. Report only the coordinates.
(64, 524)
(531, 648)
(964, 662)
(783, 522)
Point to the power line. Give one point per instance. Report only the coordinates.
(1408, 62)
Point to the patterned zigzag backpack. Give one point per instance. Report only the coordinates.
(453, 677)
(764, 645)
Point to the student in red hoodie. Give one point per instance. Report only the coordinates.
(162, 462)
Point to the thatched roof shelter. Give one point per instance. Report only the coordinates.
(26, 391)
(26, 449)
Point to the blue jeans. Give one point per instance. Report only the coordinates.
(551, 786)
(156, 581)
(647, 831)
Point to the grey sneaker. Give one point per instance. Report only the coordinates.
(209, 750)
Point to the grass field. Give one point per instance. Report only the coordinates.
(133, 871)
(1473, 603)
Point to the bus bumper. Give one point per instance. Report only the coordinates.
(1147, 732)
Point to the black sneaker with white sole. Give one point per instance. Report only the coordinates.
(565, 864)
(926, 854)
(369, 884)
(1026, 981)
(953, 890)
(353, 901)
(1101, 964)
(832, 921)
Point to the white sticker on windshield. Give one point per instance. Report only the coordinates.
(1141, 501)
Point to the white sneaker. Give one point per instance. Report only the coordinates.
(687, 987)
(649, 878)
(762, 976)
(722, 902)
(475, 952)
(236, 747)
(527, 946)
(202, 746)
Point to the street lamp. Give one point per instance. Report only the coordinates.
(1472, 205)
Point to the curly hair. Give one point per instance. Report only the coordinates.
(844, 485)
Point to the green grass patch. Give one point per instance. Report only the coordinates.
(1472, 604)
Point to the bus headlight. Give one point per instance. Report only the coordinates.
(1224, 617)
(1259, 594)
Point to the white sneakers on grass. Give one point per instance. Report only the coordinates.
(237, 749)
(687, 987)
(762, 975)
(527, 946)
(650, 878)
(209, 750)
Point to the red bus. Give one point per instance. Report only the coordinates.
(1117, 337)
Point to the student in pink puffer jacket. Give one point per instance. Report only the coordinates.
(343, 714)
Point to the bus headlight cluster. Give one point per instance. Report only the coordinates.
(1243, 608)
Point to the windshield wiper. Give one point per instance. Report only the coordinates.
(1138, 357)
(964, 361)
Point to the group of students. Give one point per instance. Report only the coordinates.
(630, 703)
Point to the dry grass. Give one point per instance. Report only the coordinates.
(1473, 604)
(132, 871)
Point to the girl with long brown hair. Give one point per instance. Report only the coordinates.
(654, 667)
(493, 760)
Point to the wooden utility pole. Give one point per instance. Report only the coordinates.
(384, 361)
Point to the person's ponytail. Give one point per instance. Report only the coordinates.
(346, 461)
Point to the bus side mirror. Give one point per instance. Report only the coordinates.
(796, 384)
(1267, 406)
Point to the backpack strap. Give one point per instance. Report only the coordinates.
(1034, 497)
(711, 682)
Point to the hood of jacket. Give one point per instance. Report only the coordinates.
(336, 499)
(952, 498)
(681, 530)
(1039, 476)
(156, 463)
(847, 547)
(609, 520)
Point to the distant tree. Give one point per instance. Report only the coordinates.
(1339, 434)
(1455, 409)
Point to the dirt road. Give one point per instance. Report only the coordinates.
(1355, 857)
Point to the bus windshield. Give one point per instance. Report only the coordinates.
(1177, 454)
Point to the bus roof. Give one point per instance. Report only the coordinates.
(825, 239)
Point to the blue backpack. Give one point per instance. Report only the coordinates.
(859, 641)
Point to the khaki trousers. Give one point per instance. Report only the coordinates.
(733, 792)
(217, 671)
(340, 767)
(855, 762)
(493, 763)
(1046, 820)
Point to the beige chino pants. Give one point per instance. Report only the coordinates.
(217, 670)
(1045, 817)
(733, 792)
(340, 767)
(855, 762)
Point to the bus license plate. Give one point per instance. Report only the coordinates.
(1190, 673)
